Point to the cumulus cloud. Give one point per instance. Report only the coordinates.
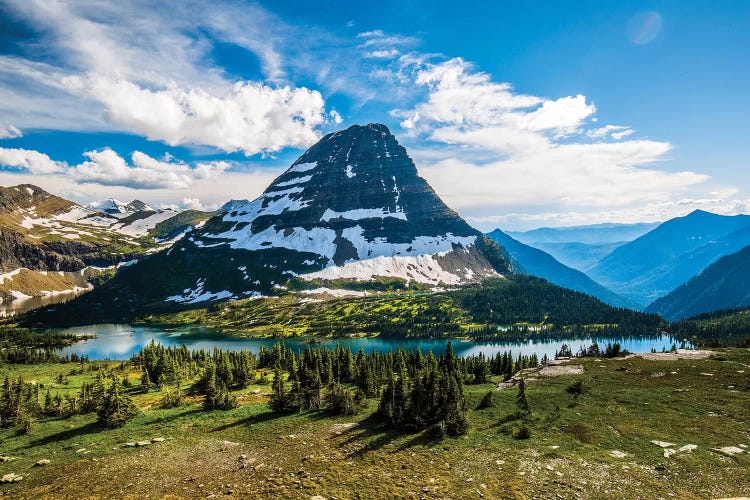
(248, 117)
(496, 149)
(31, 161)
(107, 168)
(9, 132)
(175, 93)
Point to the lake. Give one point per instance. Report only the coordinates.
(122, 341)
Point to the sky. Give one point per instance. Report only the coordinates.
(519, 114)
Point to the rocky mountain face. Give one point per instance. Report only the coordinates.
(351, 207)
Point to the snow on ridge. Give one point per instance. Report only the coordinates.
(421, 245)
(303, 167)
(298, 180)
(361, 213)
(335, 292)
(420, 268)
(317, 240)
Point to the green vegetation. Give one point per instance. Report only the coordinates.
(721, 328)
(593, 444)
(181, 222)
(498, 309)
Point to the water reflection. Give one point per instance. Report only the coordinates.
(122, 341)
(20, 306)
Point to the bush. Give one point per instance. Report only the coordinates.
(576, 388)
(117, 408)
(487, 401)
(522, 432)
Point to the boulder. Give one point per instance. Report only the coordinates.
(157, 440)
(143, 443)
(11, 478)
(42, 462)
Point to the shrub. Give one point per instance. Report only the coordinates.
(487, 401)
(522, 432)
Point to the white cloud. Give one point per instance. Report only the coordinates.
(497, 150)
(9, 132)
(150, 67)
(247, 117)
(382, 54)
(31, 161)
(617, 132)
(107, 168)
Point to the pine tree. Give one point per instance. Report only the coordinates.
(521, 402)
(117, 407)
(279, 397)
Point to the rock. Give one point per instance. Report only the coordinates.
(618, 454)
(499, 462)
(42, 462)
(143, 443)
(662, 444)
(157, 440)
(317, 497)
(243, 457)
(128, 445)
(5, 458)
(668, 452)
(11, 478)
(80, 450)
(687, 447)
(729, 450)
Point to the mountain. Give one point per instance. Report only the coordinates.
(233, 205)
(725, 284)
(592, 235)
(352, 207)
(663, 259)
(138, 206)
(42, 233)
(538, 263)
(582, 247)
(580, 256)
(115, 207)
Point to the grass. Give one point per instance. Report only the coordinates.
(624, 406)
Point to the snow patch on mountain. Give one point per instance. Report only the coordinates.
(298, 180)
(195, 295)
(302, 167)
(420, 268)
(361, 213)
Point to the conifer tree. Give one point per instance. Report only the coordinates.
(521, 401)
(117, 407)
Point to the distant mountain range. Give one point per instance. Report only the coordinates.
(536, 262)
(725, 284)
(582, 247)
(668, 256)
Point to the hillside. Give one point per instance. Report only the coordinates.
(660, 261)
(539, 263)
(721, 328)
(49, 244)
(723, 285)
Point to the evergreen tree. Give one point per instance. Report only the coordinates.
(521, 401)
(117, 407)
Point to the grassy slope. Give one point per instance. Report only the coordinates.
(298, 456)
(521, 300)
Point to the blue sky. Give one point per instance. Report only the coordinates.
(520, 115)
